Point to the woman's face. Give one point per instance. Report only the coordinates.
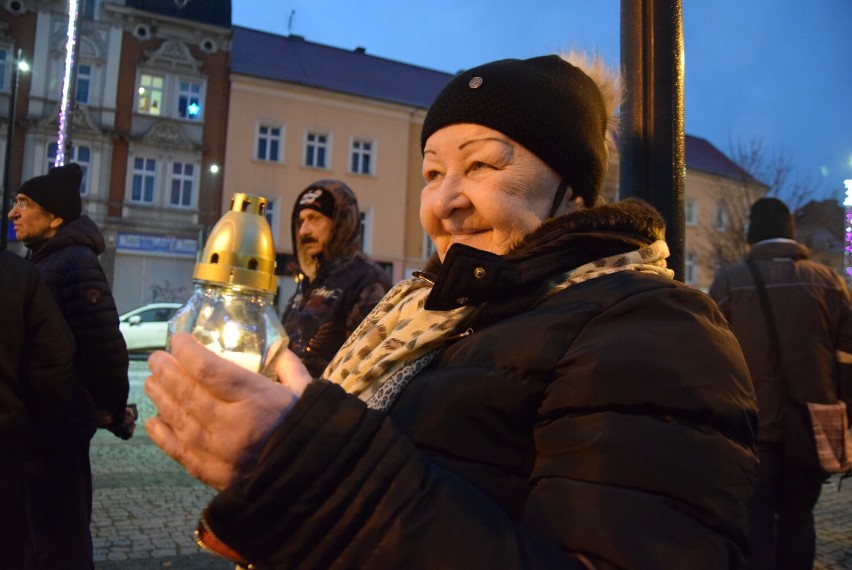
(482, 189)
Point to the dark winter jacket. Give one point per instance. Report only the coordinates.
(36, 356)
(613, 420)
(335, 291)
(813, 316)
(69, 263)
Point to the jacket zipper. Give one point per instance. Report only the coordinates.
(218, 548)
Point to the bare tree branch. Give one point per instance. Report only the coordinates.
(762, 174)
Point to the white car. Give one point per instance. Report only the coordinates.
(146, 329)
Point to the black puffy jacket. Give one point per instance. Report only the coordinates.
(35, 359)
(69, 263)
(614, 420)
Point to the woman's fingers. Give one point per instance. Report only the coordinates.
(292, 372)
(214, 416)
(209, 469)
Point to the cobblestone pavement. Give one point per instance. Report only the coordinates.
(833, 516)
(146, 506)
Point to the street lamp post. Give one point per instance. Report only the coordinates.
(652, 137)
(19, 66)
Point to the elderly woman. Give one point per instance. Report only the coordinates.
(543, 395)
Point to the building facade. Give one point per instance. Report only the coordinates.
(147, 122)
(176, 110)
(301, 112)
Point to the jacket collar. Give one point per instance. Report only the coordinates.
(771, 249)
(81, 231)
(469, 276)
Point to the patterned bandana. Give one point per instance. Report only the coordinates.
(399, 338)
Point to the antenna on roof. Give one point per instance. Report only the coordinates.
(290, 21)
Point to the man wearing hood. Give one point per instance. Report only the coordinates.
(338, 284)
(64, 245)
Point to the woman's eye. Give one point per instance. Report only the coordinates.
(431, 175)
(479, 165)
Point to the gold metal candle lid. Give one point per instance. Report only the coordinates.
(240, 252)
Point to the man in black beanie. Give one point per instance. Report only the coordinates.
(811, 307)
(64, 244)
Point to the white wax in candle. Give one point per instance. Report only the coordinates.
(247, 360)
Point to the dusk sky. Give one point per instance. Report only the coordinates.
(775, 70)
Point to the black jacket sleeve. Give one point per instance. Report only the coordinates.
(38, 351)
(89, 308)
(395, 509)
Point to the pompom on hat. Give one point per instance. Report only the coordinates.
(546, 104)
(769, 218)
(58, 191)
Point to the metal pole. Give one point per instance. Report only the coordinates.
(652, 136)
(10, 134)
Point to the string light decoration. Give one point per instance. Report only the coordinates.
(847, 245)
(65, 105)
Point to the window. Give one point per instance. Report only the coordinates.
(150, 94)
(363, 216)
(167, 95)
(84, 81)
(428, 246)
(721, 217)
(689, 212)
(268, 143)
(270, 216)
(189, 100)
(4, 68)
(144, 178)
(181, 184)
(689, 269)
(362, 157)
(82, 155)
(87, 9)
(159, 315)
(316, 149)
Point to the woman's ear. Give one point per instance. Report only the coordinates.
(573, 204)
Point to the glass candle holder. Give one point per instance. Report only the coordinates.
(231, 310)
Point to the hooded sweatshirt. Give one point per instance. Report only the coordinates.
(337, 289)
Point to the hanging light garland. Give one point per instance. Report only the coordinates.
(847, 242)
(66, 102)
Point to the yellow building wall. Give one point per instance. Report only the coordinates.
(707, 192)
(385, 195)
(390, 196)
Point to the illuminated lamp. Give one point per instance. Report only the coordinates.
(231, 309)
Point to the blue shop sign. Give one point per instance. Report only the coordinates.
(147, 243)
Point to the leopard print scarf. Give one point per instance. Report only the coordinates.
(399, 338)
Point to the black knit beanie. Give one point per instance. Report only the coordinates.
(544, 103)
(769, 218)
(315, 197)
(58, 191)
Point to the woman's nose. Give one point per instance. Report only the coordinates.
(450, 196)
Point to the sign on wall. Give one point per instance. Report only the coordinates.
(147, 243)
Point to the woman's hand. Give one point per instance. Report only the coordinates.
(214, 416)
